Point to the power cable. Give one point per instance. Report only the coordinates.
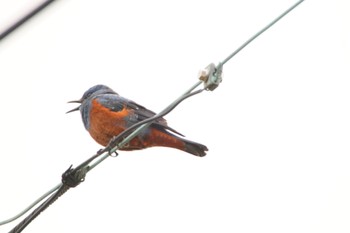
(24, 19)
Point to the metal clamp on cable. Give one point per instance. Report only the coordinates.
(72, 177)
(211, 76)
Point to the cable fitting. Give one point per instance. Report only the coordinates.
(72, 177)
(211, 76)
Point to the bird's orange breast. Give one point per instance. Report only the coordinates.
(105, 124)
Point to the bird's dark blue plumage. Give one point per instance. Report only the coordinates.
(106, 114)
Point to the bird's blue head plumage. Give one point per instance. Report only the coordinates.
(91, 92)
(97, 90)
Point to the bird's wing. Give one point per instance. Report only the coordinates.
(139, 113)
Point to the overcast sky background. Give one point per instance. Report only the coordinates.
(277, 128)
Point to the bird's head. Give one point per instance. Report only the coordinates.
(90, 93)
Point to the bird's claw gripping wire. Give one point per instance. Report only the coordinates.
(211, 76)
(73, 177)
(113, 154)
(113, 143)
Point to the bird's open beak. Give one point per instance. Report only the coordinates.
(74, 109)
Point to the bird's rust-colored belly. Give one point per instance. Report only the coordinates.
(105, 124)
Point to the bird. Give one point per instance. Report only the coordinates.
(106, 114)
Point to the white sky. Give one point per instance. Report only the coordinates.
(277, 128)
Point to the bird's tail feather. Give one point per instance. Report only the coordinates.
(183, 144)
(195, 148)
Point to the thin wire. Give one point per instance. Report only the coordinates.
(31, 205)
(260, 32)
(25, 222)
(25, 19)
